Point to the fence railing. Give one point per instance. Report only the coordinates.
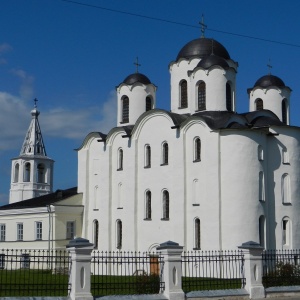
(212, 270)
(126, 273)
(34, 273)
(281, 268)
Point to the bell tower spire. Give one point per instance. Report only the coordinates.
(32, 170)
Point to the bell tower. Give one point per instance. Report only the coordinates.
(32, 170)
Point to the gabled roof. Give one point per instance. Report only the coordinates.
(42, 201)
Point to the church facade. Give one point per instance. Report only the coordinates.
(201, 174)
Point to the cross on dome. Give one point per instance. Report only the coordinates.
(203, 26)
(136, 63)
(269, 66)
(35, 101)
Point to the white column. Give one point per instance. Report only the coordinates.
(80, 276)
(172, 273)
(253, 269)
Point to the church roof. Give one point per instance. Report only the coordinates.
(201, 48)
(269, 80)
(33, 143)
(136, 77)
(42, 201)
(213, 60)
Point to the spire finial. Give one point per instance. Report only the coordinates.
(137, 65)
(35, 101)
(269, 66)
(203, 26)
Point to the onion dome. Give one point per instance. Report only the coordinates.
(213, 60)
(269, 80)
(201, 48)
(136, 77)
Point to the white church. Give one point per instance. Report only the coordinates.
(201, 174)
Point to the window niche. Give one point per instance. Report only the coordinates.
(165, 154)
(261, 195)
(119, 234)
(260, 153)
(259, 104)
(148, 209)
(147, 163)
(285, 189)
(286, 232)
(201, 96)
(16, 172)
(197, 149)
(285, 156)
(228, 97)
(197, 234)
(183, 94)
(120, 160)
(165, 206)
(125, 109)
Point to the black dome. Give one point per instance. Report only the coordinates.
(201, 48)
(136, 77)
(213, 60)
(269, 80)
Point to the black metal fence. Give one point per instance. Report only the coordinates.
(212, 270)
(126, 273)
(34, 273)
(281, 268)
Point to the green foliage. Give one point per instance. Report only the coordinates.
(284, 274)
(147, 284)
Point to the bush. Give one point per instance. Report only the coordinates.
(147, 284)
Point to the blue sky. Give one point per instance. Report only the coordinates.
(72, 56)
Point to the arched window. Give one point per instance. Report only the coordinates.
(261, 228)
(148, 206)
(27, 172)
(197, 241)
(148, 103)
(259, 104)
(285, 188)
(96, 233)
(125, 109)
(147, 156)
(261, 195)
(284, 111)
(202, 96)
(228, 97)
(120, 159)
(260, 152)
(16, 173)
(197, 149)
(119, 234)
(96, 197)
(285, 156)
(40, 173)
(183, 94)
(166, 206)
(286, 232)
(165, 154)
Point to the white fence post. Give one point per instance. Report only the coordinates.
(172, 274)
(253, 269)
(80, 275)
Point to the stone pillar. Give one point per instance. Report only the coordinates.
(80, 275)
(253, 269)
(172, 273)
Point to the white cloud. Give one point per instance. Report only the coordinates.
(4, 47)
(59, 122)
(26, 89)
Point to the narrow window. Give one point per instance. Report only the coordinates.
(70, 230)
(2, 232)
(20, 231)
(125, 110)
(183, 94)
(38, 230)
(27, 172)
(166, 206)
(16, 174)
(197, 244)
(284, 111)
(202, 96)
(96, 197)
(261, 225)
(96, 233)
(285, 156)
(148, 206)
(286, 234)
(148, 103)
(259, 104)
(197, 149)
(260, 153)
(228, 97)
(261, 186)
(285, 189)
(165, 154)
(120, 159)
(147, 156)
(119, 234)
(40, 173)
